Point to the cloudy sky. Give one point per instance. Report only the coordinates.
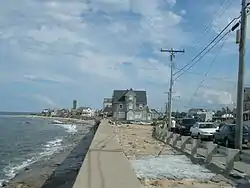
(52, 52)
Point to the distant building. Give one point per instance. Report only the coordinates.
(201, 114)
(107, 102)
(74, 104)
(87, 112)
(130, 105)
(194, 111)
(246, 101)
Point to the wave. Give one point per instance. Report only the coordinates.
(49, 149)
(57, 122)
(70, 128)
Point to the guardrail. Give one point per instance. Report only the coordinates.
(190, 146)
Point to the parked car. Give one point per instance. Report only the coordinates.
(185, 125)
(203, 130)
(225, 135)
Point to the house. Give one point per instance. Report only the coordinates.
(88, 112)
(130, 105)
(194, 111)
(107, 102)
(201, 114)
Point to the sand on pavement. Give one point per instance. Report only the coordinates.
(137, 141)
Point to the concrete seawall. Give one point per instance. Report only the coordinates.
(105, 165)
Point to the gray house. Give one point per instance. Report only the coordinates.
(130, 105)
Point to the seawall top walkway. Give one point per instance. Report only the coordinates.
(105, 165)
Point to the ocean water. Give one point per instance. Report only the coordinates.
(24, 141)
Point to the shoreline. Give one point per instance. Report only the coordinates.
(36, 174)
(64, 119)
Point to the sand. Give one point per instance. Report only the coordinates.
(136, 142)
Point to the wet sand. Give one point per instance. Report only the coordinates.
(59, 169)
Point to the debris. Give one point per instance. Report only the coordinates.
(176, 167)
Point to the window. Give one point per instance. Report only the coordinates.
(188, 121)
(130, 106)
(207, 125)
(195, 125)
(245, 128)
(121, 106)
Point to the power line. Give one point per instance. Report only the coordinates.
(206, 73)
(224, 79)
(218, 13)
(195, 62)
(207, 46)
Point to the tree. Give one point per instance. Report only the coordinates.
(228, 110)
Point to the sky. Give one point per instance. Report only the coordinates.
(52, 52)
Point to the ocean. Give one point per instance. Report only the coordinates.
(24, 141)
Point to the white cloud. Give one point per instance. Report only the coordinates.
(71, 41)
(217, 97)
(50, 78)
(233, 11)
(171, 2)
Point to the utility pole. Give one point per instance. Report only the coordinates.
(241, 70)
(172, 56)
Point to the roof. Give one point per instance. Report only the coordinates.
(205, 122)
(107, 100)
(246, 89)
(154, 110)
(195, 110)
(119, 95)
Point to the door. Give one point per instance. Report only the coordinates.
(221, 133)
(130, 115)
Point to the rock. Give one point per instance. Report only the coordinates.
(4, 183)
(218, 178)
(20, 185)
(26, 168)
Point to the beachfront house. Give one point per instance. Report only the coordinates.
(130, 105)
(88, 112)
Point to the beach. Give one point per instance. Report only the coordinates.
(61, 167)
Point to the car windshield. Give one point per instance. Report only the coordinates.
(207, 125)
(245, 129)
(188, 121)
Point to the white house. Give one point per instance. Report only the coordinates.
(88, 112)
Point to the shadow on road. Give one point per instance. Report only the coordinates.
(65, 175)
